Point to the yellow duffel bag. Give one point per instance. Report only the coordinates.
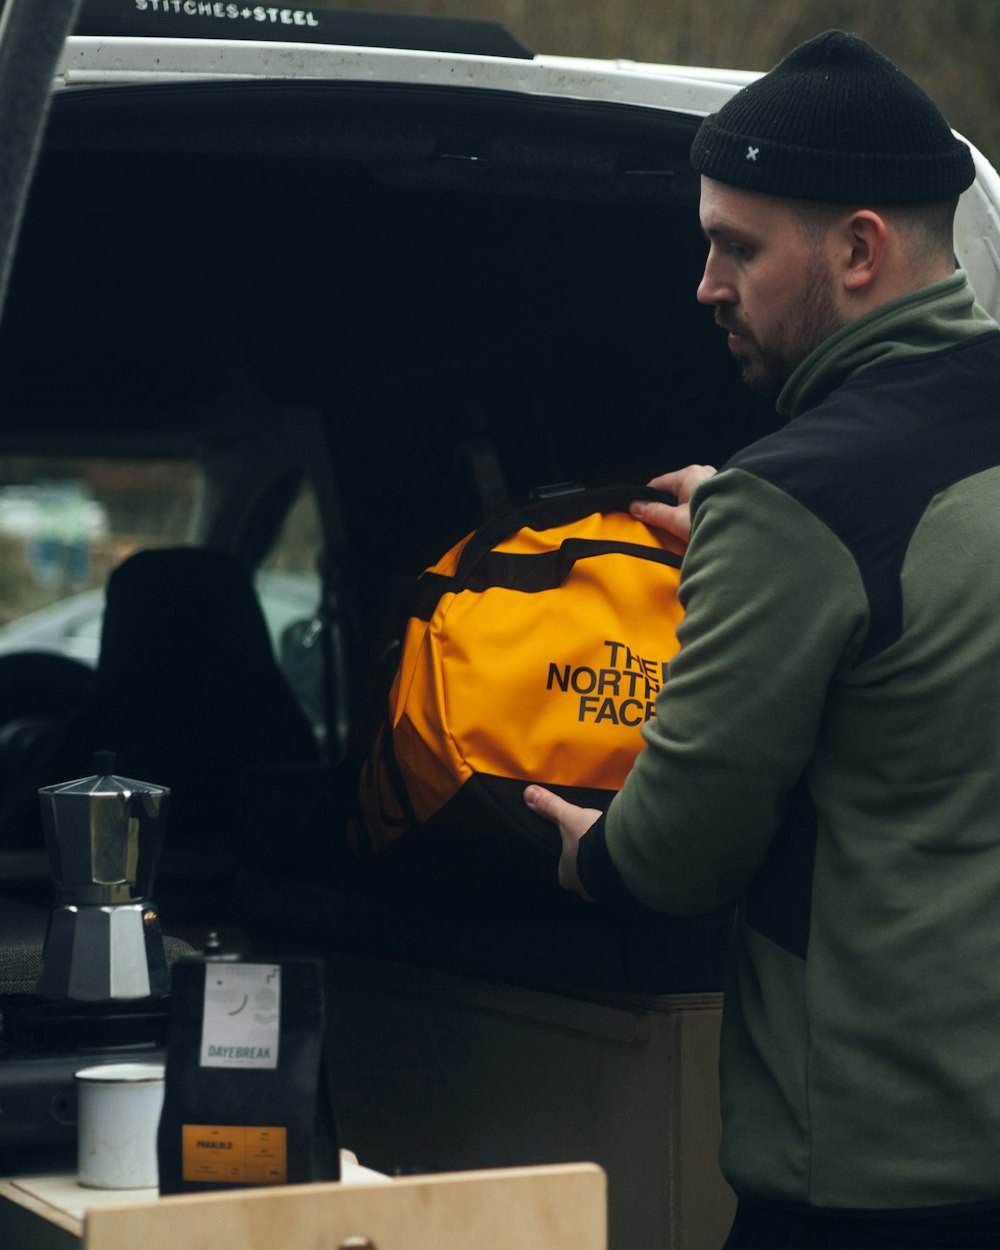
(534, 651)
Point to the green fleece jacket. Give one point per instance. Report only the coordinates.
(827, 752)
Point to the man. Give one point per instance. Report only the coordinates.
(827, 748)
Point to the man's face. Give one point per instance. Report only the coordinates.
(771, 285)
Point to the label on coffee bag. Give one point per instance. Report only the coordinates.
(234, 1155)
(242, 1018)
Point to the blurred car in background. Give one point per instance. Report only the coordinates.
(73, 626)
(289, 602)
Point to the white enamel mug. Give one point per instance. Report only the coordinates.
(118, 1115)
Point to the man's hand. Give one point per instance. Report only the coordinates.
(682, 483)
(573, 822)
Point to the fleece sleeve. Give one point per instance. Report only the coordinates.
(774, 612)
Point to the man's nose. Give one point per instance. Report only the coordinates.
(712, 289)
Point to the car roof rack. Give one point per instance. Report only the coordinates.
(296, 23)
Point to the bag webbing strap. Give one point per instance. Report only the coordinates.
(480, 567)
(548, 514)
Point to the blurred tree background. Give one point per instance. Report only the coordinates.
(948, 46)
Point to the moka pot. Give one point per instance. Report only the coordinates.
(103, 836)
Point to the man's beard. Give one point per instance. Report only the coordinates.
(765, 368)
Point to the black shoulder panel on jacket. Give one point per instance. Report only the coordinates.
(869, 459)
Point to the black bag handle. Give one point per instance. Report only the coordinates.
(480, 566)
(546, 514)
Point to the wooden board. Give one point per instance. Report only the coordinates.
(551, 1208)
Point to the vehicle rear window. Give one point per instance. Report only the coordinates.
(65, 523)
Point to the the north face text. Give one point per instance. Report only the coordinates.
(623, 692)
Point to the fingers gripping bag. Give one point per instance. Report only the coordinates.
(533, 652)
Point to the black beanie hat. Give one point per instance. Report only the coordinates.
(835, 121)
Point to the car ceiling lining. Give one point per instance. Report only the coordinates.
(457, 139)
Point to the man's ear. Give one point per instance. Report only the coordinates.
(866, 234)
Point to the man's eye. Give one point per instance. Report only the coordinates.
(740, 251)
